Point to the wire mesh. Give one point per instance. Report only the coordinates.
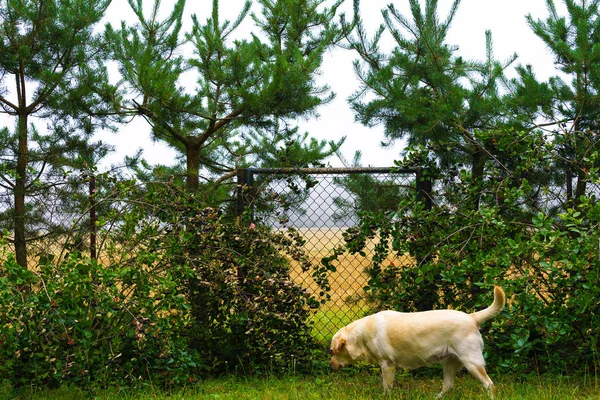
(57, 219)
(322, 204)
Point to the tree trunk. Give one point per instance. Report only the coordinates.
(192, 153)
(19, 193)
(477, 170)
(580, 186)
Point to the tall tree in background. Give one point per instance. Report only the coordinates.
(571, 110)
(422, 91)
(232, 100)
(51, 70)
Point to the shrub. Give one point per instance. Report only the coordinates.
(84, 323)
(189, 292)
(548, 264)
(246, 312)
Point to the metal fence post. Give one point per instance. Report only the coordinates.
(241, 182)
(423, 183)
(424, 195)
(245, 182)
(92, 187)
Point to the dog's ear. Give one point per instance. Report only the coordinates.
(339, 345)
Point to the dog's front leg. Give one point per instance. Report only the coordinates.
(388, 371)
(451, 366)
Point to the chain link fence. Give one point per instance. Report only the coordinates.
(60, 217)
(322, 204)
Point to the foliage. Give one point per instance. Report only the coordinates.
(189, 292)
(569, 101)
(513, 204)
(51, 68)
(246, 313)
(547, 263)
(424, 92)
(232, 103)
(83, 323)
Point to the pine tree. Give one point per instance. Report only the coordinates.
(50, 70)
(425, 93)
(570, 109)
(246, 92)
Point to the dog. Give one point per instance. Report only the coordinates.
(412, 340)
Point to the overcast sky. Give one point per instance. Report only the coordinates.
(504, 18)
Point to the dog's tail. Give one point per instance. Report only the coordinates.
(494, 309)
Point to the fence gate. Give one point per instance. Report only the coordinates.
(322, 203)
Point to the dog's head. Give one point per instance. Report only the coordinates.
(339, 348)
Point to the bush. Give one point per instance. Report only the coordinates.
(190, 292)
(548, 264)
(84, 323)
(246, 313)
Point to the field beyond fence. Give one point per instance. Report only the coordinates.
(347, 296)
(321, 203)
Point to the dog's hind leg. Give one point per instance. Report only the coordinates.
(451, 366)
(477, 369)
(388, 371)
(470, 352)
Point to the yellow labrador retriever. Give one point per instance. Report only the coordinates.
(412, 340)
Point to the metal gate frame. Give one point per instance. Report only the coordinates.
(245, 178)
(329, 322)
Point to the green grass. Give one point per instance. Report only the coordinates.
(350, 384)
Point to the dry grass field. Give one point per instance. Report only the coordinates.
(347, 301)
(348, 281)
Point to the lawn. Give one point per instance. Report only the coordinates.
(349, 384)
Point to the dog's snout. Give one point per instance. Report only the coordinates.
(335, 365)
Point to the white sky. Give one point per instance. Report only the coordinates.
(505, 18)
